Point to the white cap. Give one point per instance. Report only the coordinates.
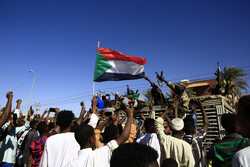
(177, 124)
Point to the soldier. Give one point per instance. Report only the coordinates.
(179, 91)
(158, 97)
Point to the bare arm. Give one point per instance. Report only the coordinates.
(30, 113)
(7, 112)
(125, 134)
(94, 104)
(43, 115)
(81, 117)
(29, 161)
(147, 79)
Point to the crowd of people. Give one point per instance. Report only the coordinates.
(104, 138)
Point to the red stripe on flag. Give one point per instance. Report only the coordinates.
(115, 55)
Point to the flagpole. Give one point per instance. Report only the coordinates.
(93, 85)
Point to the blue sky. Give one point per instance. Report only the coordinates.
(58, 38)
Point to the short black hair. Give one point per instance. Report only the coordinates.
(243, 107)
(189, 125)
(228, 122)
(134, 155)
(149, 125)
(83, 133)
(33, 123)
(64, 119)
(42, 127)
(111, 132)
(169, 163)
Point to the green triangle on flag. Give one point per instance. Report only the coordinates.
(101, 66)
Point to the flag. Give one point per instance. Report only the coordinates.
(115, 66)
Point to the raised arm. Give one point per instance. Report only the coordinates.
(29, 114)
(7, 111)
(94, 104)
(82, 114)
(125, 134)
(147, 79)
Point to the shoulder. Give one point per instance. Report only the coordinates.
(243, 152)
(109, 147)
(241, 158)
(60, 137)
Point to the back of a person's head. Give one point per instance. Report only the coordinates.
(243, 108)
(111, 132)
(64, 119)
(228, 122)
(42, 128)
(149, 125)
(243, 115)
(134, 155)
(83, 134)
(169, 163)
(189, 125)
(33, 124)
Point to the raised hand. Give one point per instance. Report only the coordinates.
(160, 76)
(9, 95)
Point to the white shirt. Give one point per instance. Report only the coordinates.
(151, 139)
(175, 148)
(59, 150)
(242, 158)
(8, 147)
(94, 158)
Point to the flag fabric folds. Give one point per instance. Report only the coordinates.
(115, 66)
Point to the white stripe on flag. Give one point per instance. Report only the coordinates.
(125, 67)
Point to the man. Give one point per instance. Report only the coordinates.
(134, 155)
(31, 136)
(60, 148)
(174, 147)
(242, 158)
(87, 157)
(179, 92)
(63, 148)
(194, 136)
(13, 130)
(6, 111)
(224, 150)
(150, 137)
(37, 146)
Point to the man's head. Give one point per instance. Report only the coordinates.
(85, 136)
(18, 120)
(18, 103)
(243, 115)
(33, 124)
(64, 119)
(228, 122)
(149, 125)
(177, 125)
(189, 125)
(111, 132)
(134, 155)
(42, 128)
